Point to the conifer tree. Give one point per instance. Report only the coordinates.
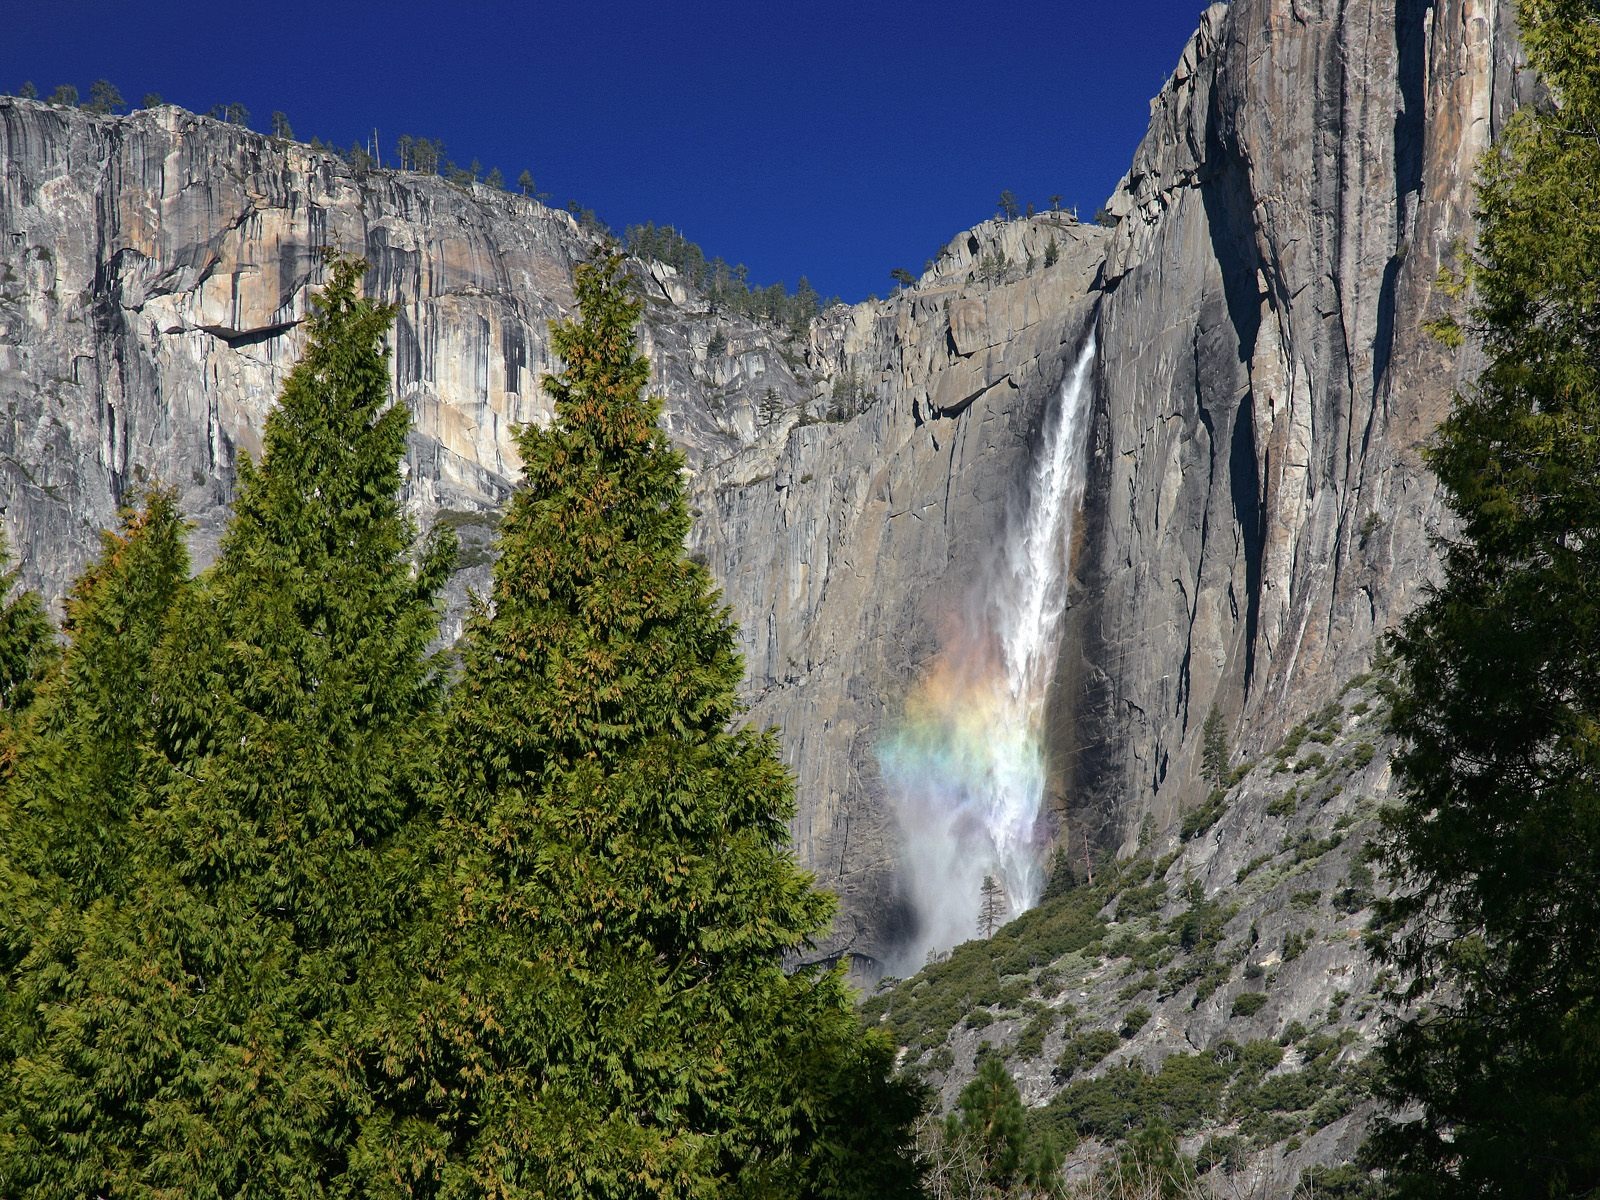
(992, 1118)
(64, 816)
(602, 1010)
(198, 1050)
(27, 648)
(68, 805)
(1497, 844)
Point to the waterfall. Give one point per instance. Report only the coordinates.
(965, 764)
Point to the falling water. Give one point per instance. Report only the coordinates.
(965, 765)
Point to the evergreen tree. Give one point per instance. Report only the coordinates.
(198, 1047)
(1497, 845)
(602, 1010)
(104, 97)
(992, 1119)
(991, 906)
(1214, 748)
(27, 646)
(64, 817)
(67, 808)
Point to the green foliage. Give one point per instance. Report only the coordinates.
(194, 1048)
(921, 1012)
(1295, 943)
(27, 650)
(1030, 1042)
(1248, 1004)
(726, 288)
(1343, 1182)
(993, 267)
(1133, 1021)
(64, 814)
(1085, 1050)
(1285, 805)
(1198, 820)
(104, 98)
(992, 1119)
(233, 113)
(1052, 252)
(1187, 1091)
(1214, 748)
(600, 996)
(1496, 844)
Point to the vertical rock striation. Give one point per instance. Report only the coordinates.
(1257, 512)
(1260, 512)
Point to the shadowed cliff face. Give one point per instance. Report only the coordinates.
(1259, 510)
(1256, 511)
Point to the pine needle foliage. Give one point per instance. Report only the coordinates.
(65, 814)
(603, 1011)
(27, 651)
(198, 1047)
(1497, 845)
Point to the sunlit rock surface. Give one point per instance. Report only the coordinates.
(1256, 510)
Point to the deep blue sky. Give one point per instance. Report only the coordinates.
(835, 140)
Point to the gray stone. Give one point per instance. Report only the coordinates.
(1257, 512)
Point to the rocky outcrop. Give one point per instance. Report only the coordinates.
(1257, 511)
(157, 270)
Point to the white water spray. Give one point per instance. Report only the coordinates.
(965, 768)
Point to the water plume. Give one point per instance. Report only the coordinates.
(965, 764)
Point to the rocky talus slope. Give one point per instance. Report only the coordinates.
(1256, 511)
(1217, 981)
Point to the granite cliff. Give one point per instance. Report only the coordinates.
(1256, 511)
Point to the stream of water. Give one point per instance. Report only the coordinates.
(965, 764)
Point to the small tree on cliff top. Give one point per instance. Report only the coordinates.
(603, 1011)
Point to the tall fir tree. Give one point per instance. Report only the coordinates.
(64, 815)
(200, 1047)
(27, 651)
(603, 1010)
(1496, 847)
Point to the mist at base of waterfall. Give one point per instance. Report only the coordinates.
(964, 764)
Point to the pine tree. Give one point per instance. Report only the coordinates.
(64, 816)
(602, 1010)
(27, 648)
(104, 97)
(199, 1049)
(992, 1119)
(991, 906)
(68, 804)
(1214, 748)
(1497, 844)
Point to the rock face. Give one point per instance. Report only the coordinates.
(1257, 512)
